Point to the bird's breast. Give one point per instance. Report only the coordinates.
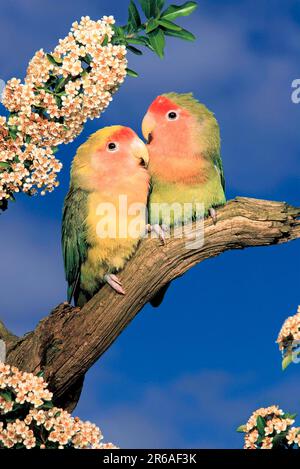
(116, 219)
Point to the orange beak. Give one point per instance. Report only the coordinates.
(139, 151)
(148, 125)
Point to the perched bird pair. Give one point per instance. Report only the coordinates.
(180, 164)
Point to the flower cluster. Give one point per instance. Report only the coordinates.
(289, 338)
(270, 427)
(61, 91)
(290, 331)
(28, 418)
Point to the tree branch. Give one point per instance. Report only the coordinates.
(69, 341)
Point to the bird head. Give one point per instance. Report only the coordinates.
(110, 152)
(118, 145)
(179, 124)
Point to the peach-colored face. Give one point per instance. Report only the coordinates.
(174, 152)
(166, 123)
(122, 148)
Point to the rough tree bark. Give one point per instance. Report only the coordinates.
(69, 341)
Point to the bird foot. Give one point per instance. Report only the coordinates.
(115, 283)
(213, 214)
(159, 230)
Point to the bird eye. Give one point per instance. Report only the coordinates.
(172, 115)
(112, 146)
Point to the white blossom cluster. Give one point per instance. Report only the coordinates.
(289, 332)
(269, 426)
(29, 420)
(60, 92)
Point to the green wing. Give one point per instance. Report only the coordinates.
(219, 165)
(74, 243)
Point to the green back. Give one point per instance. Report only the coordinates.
(219, 165)
(74, 242)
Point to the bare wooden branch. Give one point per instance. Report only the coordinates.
(69, 341)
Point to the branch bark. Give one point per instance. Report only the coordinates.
(69, 341)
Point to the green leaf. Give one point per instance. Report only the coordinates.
(131, 73)
(6, 395)
(54, 150)
(4, 165)
(58, 101)
(157, 41)
(17, 407)
(260, 423)
(135, 50)
(141, 40)
(169, 25)
(40, 374)
(145, 4)
(52, 60)
(241, 429)
(47, 405)
(105, 41)
(13, 130)
(136, 40)
(183, 34)
(279, 440)
(119, 31)
(119, 34)
(289, 416)
(152, 25)
(60, 84)
(174, 11)
(134, 18)
(160, 4)
(287, 361)
(19, 446)
(148, 7)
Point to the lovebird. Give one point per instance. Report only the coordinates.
(184, 160)
(108, 193)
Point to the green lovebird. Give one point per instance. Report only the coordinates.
(107, 171)
(184, 161)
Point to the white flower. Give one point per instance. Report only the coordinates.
(64, 430)
(86, 75)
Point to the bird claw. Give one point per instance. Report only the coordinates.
(115, 283)
(159, 230)
(213, 214)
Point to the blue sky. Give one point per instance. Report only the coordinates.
(188, 373)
